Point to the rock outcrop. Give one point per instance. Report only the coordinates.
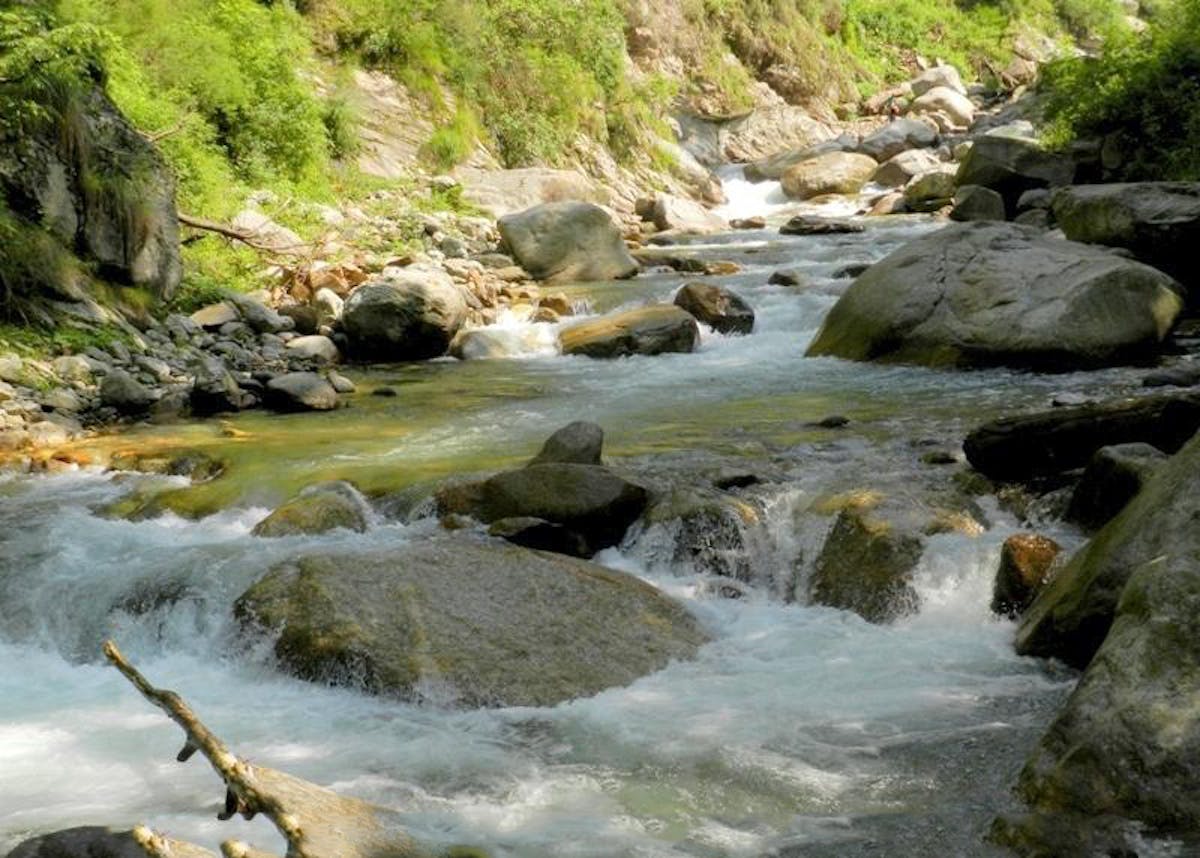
(989, 293)
(467, 621)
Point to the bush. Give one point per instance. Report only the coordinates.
(1142, 97)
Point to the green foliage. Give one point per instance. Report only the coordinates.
(39, 340)
(1142, 96)
(33, 263)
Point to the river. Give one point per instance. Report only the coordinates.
(800, 730)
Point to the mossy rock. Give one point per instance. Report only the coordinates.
(317, 509)
(464, 620)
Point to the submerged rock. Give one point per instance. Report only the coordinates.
(577, 443)
(567, 241)
(317, 509)
(1127, 743)
(470, 622)
(722, 310)
(990, 293)
(649, 330)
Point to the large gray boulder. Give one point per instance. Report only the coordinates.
(651, 330)
(1013, 165)
(993, 293)
(407, 314)
(832, 173)
(1158, 221)
(1127, 742)
(567, 241)
(896, 137)
(949, 102)
(102, 190)
(466, 621)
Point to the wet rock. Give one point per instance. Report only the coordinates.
(866, 566)
(1127, 742)
(974, 202)
(793, 277)
(340, 383)
(300, 391)
(540, 535)
(722, 310)
(833, 421)
(567, 241)
(704, 531)
(833, 173)
(1112, 479)
(464, 621)
(1045, 443)
(497, 342)
(1011, 166)
(813, 225)
(888, 204)
(903, 135)
(1158, 221)
(651, 330)
(1180, 376)
(85, 842)
(317, 509)
(578, 443)
(1026, 563)
(756, 222)
(990, 293)
(408, 314)
(854, 269)
(126, 394)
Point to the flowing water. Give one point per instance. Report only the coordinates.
(800, 730)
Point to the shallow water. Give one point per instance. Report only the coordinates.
(799, 730)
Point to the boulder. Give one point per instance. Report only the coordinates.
(1070, 619)
(578, 443)
(261, 318)
(946, 77)
(942, 99)
(317, 509)
(1011, 166)
(684, 216)
(974, 202)
(1127, 742)
(101, 189)
(126, 394)
(930, 191)
(1026, 563)
(407, 314)
(897, 137)
(300, 391)
(214, 316)
(899, 170)
(589, 500)
(215, 391)
(1045, 443)
(567, 241)
(720, 309)
(866, 566)
(791, 277)
(90, 841)
(992, 293)
(648, 330)
(315, 347)
(706, 531)
(1112, 479)
(461, 620)
(1159, 222)
(771, 169)
(832, 173)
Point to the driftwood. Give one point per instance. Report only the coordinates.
(317, 823)
(240, 235)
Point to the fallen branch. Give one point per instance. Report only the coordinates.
(155, 136)
(317, 823)
(246, 238)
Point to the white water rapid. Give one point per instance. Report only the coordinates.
(800, 730)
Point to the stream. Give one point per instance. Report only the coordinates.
(799, 731)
